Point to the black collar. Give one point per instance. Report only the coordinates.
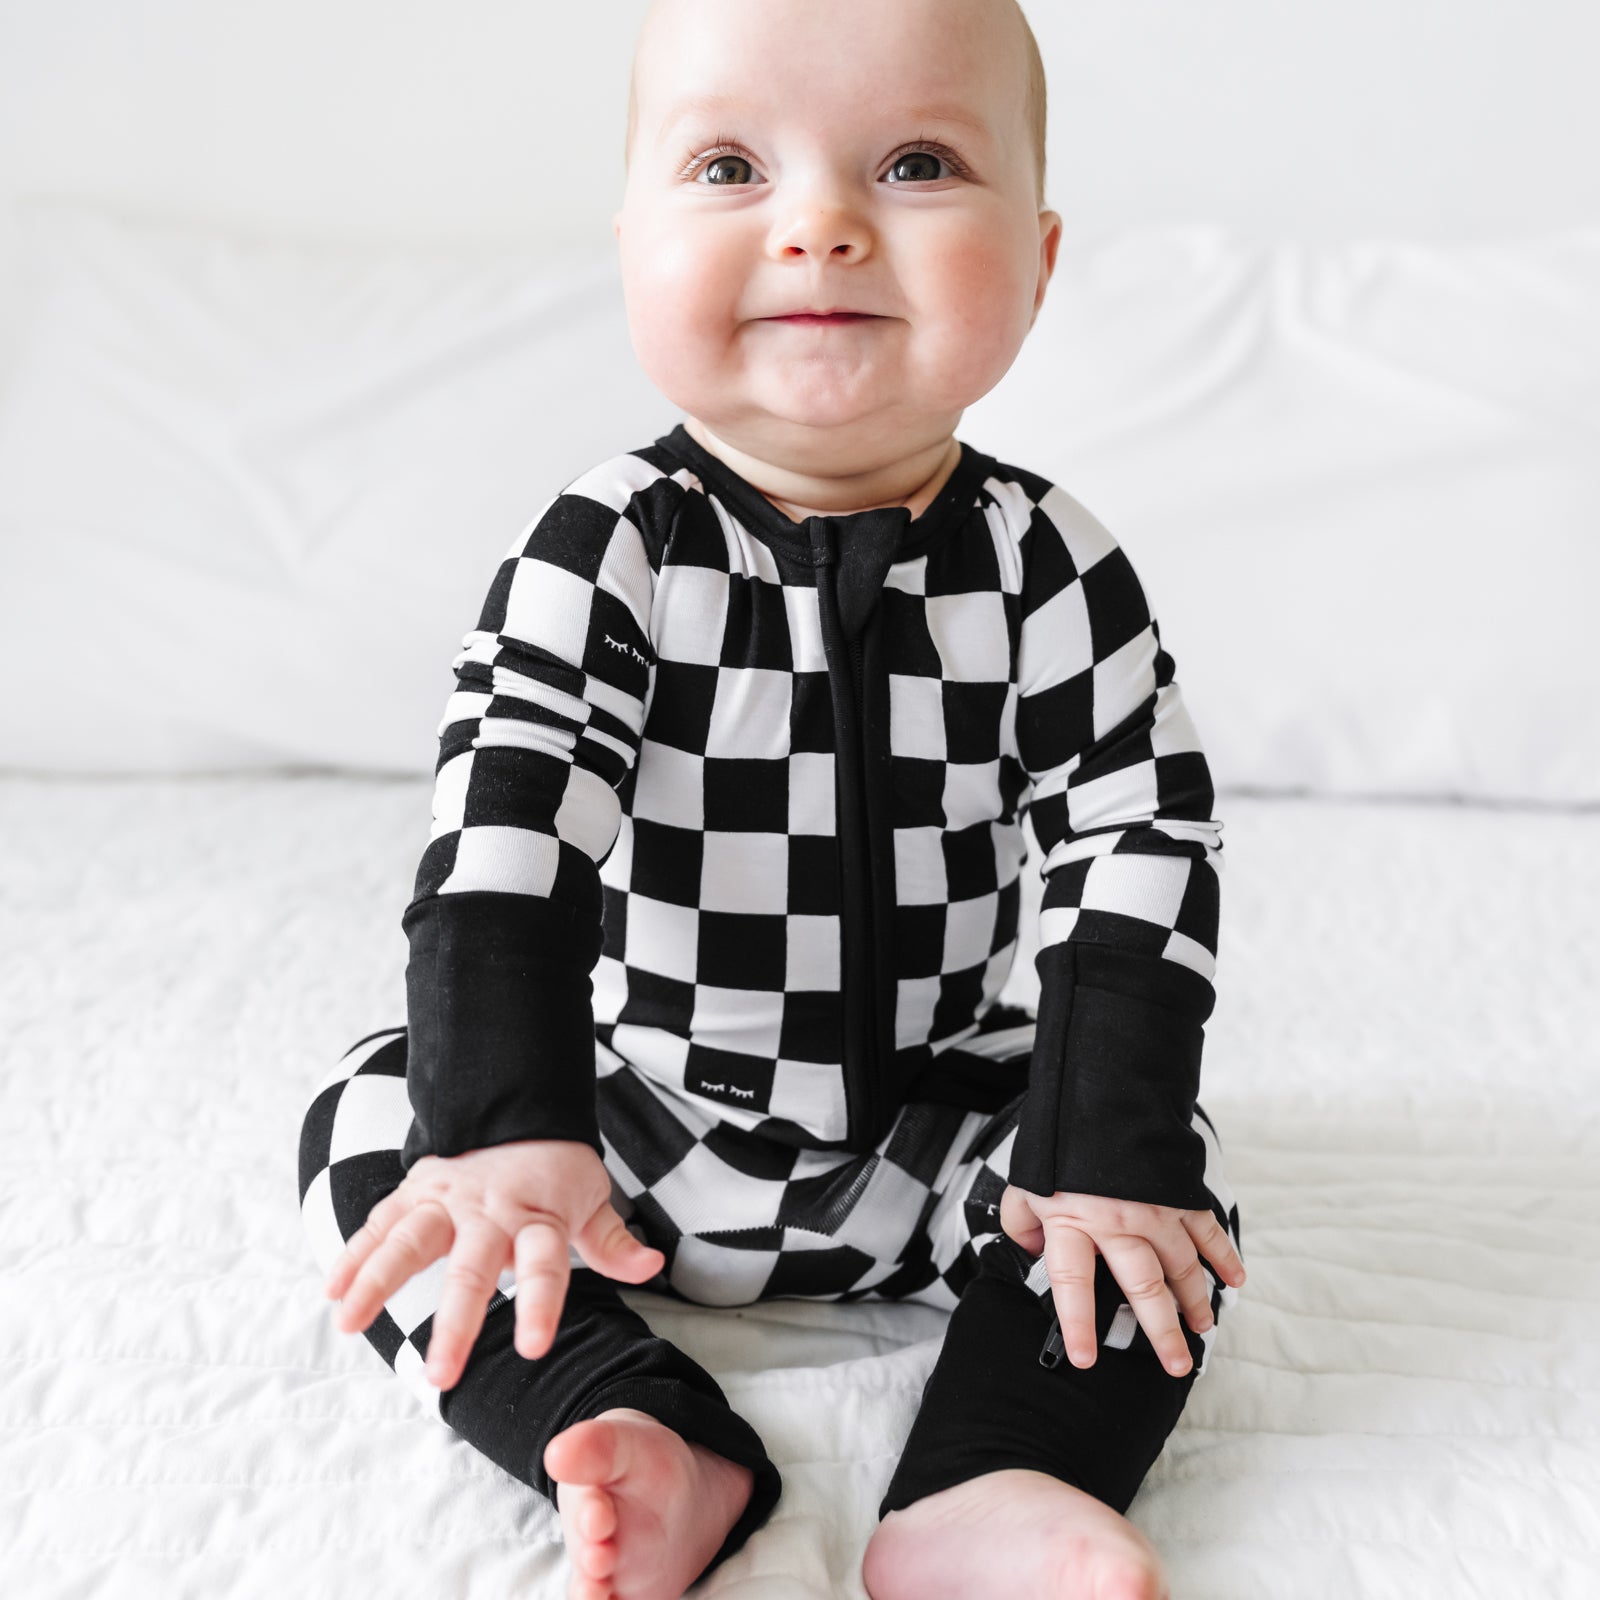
(911, 536)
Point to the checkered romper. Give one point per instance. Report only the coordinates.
(729, 806)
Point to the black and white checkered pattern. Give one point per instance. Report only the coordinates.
(638, 779)
(738, 1217)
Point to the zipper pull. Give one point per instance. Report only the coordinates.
(1055, 1347)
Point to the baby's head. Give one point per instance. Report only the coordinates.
(882, 156)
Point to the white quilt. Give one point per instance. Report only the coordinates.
(1404, 1066)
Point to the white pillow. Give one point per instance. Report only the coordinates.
(252, 492)
(1361, 485)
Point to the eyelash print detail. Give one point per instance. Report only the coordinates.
(731, 147)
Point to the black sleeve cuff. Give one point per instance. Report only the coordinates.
(1114, 1078)
(500, 1041)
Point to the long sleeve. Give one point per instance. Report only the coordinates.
(504, 925)
(1122, 806)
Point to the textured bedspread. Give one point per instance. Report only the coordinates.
(1404, 1066)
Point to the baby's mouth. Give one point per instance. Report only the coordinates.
(811, 319)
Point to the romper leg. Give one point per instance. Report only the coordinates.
(989, 1403)
(506, 1406)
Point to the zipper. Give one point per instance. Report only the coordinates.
(859, 693)
(1055, 1347)
(866, 893)
(858, 1001)
(858, 967)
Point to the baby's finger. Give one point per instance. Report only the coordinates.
(543, 1274)
(421, 1236)
(1192, 1288)
(1069, 1260)
(477, 1259)
(1186, 1276)
(1216, 1245)
(1137, 1268)
(364, 1241)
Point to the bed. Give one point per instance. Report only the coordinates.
(1403, 1400)
(1358, 477)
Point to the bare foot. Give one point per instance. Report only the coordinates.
(642, 1509)
(1010, 1533)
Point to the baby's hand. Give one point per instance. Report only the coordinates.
(527, 1198)
(1146, 1246)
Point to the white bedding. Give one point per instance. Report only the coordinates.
(1402, 1064)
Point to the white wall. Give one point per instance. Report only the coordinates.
(504, 118)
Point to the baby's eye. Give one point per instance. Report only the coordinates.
(925, 158)
(724, 160)
(715, 164)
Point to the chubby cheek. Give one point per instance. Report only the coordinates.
(977, 296)
(681, 301)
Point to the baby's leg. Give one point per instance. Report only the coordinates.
(604, 1357)
(1029, 1466)
(989, 1403)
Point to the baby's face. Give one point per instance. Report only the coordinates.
(865, 154)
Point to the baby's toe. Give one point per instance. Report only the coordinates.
(588, 1519)
(596, 1515)
(596, 1561)
(1136, 1582)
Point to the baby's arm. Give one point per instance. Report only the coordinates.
(1122, 810)
(505, 920)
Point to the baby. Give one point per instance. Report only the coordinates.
(724, 875)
